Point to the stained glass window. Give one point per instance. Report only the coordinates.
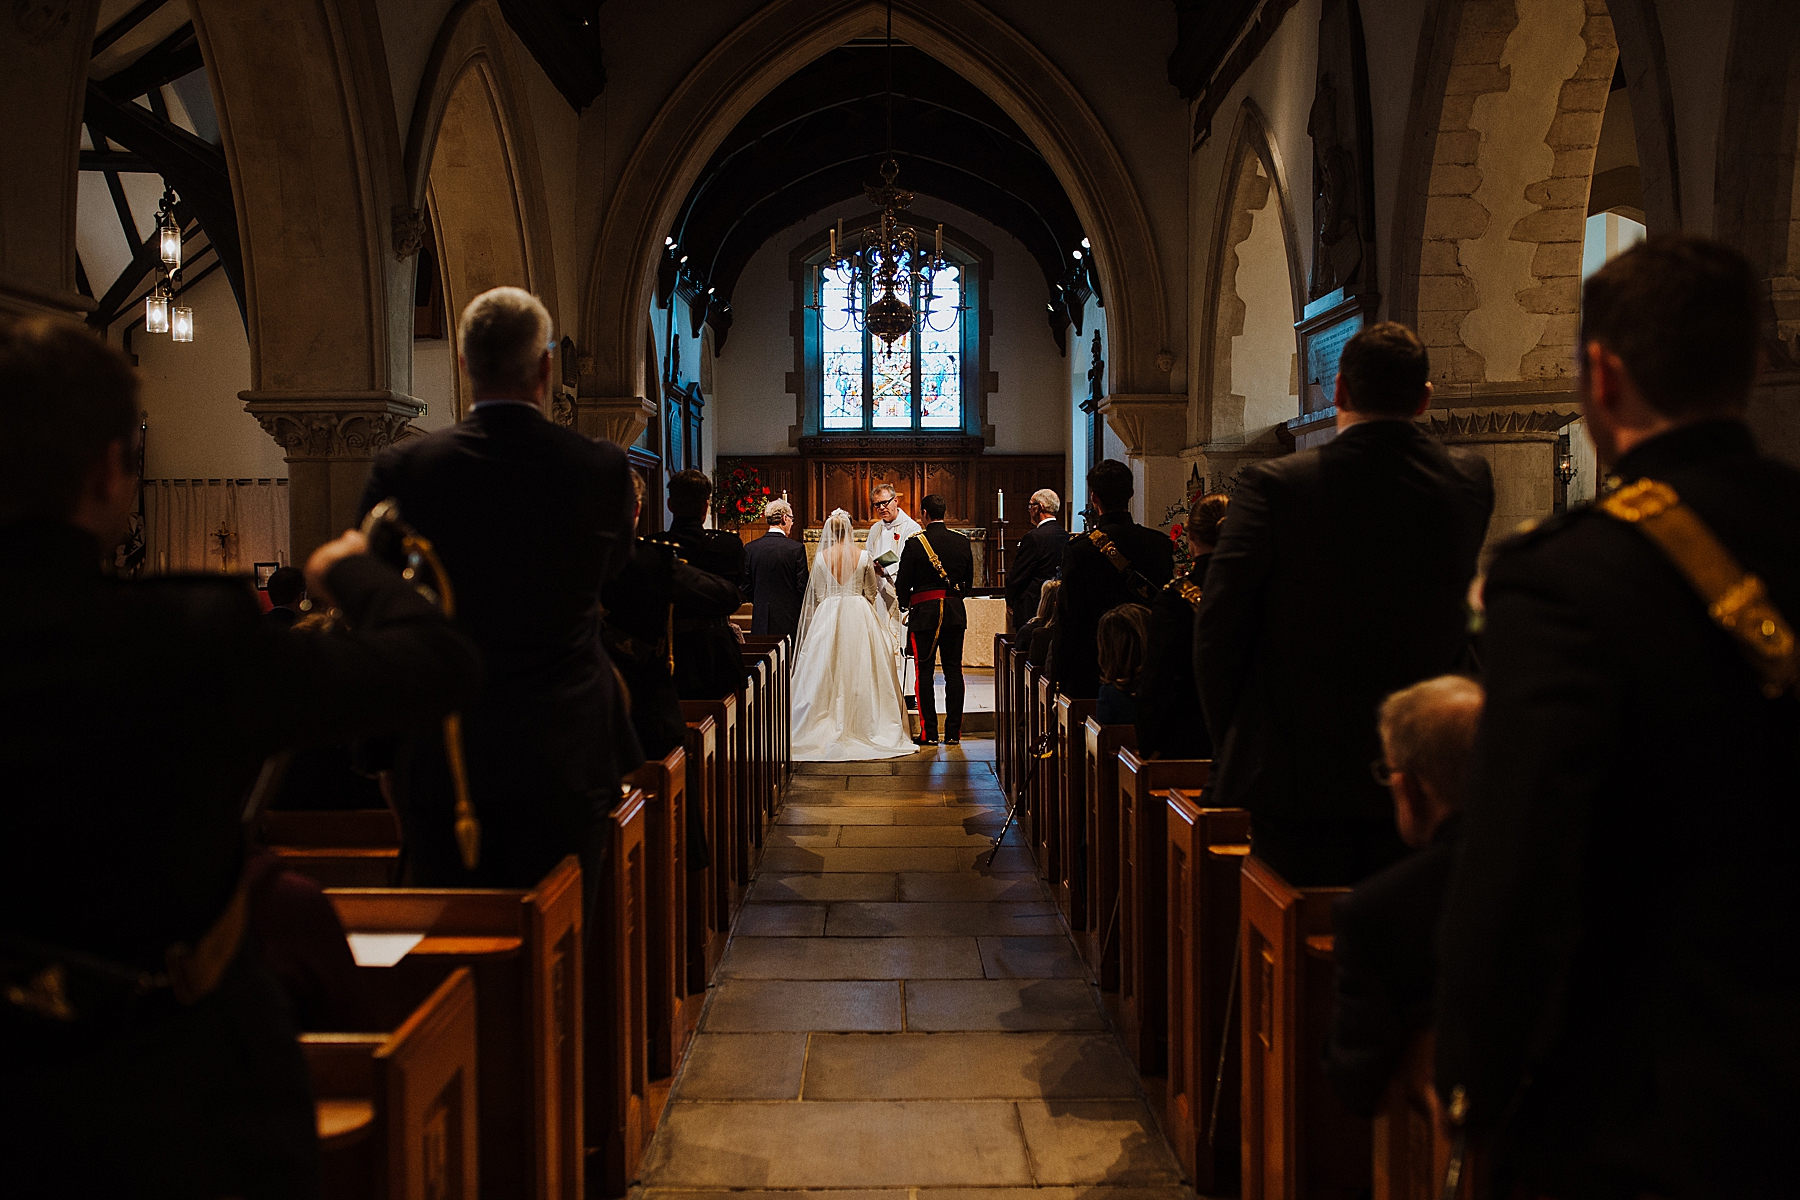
(840, 355)
(915, 384)
(940, 354)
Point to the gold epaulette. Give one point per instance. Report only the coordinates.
(1133, 578)
(1736, 600)
(1186, 588)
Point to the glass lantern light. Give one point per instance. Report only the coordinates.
(156, 311)
(181, 324)
(169, 230)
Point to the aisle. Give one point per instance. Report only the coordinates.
(891, 1016)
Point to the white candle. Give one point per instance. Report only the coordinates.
(1000, 506)
(834, 245)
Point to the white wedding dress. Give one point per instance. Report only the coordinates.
(847, 699)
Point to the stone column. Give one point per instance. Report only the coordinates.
(1154, 430)
(1515, 427)
(329, 442)
(620, 419)
(44, 52)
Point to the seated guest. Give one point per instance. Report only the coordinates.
(1039, 634)
(709, 662)
(304, 947)
(1116, 562)
(146, 1049)
(1123, 637)
(1038, 558)
(286, 588)
(530, 520)
(1385, 928)
(1170, 721)
(775, 571)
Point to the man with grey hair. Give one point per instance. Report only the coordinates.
(530, 520)
(1385, 929)
(1038, 556)
(775, 575)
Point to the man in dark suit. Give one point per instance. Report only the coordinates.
(530, 520)
(709, 662)
(1038, 558)
(1170, 721)
(937, 569)
(1116, 562)
(1617, 1011)
(1341, 576)
(775, 575)
(286, 589)
(147, 1048)
(1386, 929)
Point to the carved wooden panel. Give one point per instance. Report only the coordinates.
(822, 478)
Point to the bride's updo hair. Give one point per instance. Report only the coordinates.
(839, 524)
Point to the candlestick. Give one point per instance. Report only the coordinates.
(940, 241)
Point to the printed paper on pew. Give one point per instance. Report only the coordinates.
(381, 949)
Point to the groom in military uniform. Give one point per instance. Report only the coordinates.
(937, 569)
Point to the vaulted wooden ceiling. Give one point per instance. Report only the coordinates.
(820, 137)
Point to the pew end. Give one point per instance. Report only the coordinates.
(1101, 941)
(1297, 1139)
(397, 1112)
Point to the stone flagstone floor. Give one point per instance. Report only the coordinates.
(895, 1021)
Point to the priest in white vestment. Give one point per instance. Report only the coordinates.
(889, 533)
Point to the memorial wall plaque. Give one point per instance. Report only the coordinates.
(1329, 324)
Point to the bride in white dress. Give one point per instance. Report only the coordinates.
(847, 699)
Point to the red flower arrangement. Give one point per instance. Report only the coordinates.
(739, 497)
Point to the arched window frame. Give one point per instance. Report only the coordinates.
(807, 381)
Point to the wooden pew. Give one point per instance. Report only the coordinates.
(664, 784)
(1070, 881)
(730, 848)
(748, 783)
(1031, 819)
(397, 1111)
(764, 664)
(781, 706)
(1046, 783)
(1102, 744)
(708, 890)
(1005, 712)
(1297, 1139)
(336, 848)
(1144, 903)
(617, 1083)
(1206, 852)
(1412, 1149)
(524, 950)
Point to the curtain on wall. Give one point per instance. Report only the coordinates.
(182, 518)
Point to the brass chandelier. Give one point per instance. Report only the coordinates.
(886, 256)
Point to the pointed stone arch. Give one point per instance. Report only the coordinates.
(1229, 426)
(472, 169)
(771, 45)
(305, 114)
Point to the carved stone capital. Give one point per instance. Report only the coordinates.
(1499, 424)
(410, 228)
(315, 427)
(618, 419)
(1148, 425)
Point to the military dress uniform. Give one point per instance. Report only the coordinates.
(931, 586)
(1170, 721)
(640, 605)
(1093, 581)
(709, 662)
(147, 1050)
(1617, 1004)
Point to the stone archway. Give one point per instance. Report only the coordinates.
(1489, 228)
(771, 45)
(1758, 202)
(472, 169)
(305, 111)
(1250, 368)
